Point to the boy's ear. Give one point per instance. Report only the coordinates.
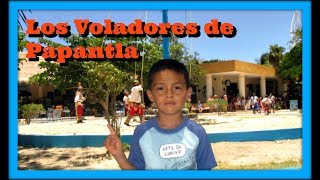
(150, 96)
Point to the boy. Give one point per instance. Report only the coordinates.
(168, 141)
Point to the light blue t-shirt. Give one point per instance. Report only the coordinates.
(185, 147)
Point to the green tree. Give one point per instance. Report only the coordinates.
(21, 35)
(105, 82)
(30, 110)
(102, 80)
(60, 77)
(275, 56)
(264, 59)
(291, 67)
(297, 37)
(179, 52)
(21, 44)
(211, 60)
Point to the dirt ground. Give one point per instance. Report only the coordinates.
(235, 153)
(231, 153)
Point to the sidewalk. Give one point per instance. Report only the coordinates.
(212, 122)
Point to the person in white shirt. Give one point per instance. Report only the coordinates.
(135, 108)
(254, 102)
(78, 100)
(266, 104)
(273, 101)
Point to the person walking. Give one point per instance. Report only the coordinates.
(78, 101)
(135, 107)
(254, 102)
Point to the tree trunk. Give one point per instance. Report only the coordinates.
(279, 86)
(114, 124)
(107, 108)
(105, 105)
(28, 120)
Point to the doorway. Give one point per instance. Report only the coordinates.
(232, 89)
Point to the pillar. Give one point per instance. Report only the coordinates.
(40, 91)
(242, 86)
(208, 85)
(263, 86)
(220, 86)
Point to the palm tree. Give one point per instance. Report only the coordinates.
(275, 57)
(264, 59)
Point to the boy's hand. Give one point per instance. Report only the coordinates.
(113, 143)
(114, 146)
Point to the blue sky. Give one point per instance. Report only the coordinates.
(256, 29)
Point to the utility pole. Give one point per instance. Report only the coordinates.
(165, 40)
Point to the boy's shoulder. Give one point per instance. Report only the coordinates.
(194, 126)
(145, 126)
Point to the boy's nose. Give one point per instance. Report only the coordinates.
(169, 93)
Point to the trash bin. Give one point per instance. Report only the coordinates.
(293, 105)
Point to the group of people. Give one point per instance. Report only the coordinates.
(265, 104)
(132, 101)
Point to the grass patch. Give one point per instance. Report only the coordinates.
(261, 166)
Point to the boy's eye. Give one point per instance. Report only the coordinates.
(177, 89)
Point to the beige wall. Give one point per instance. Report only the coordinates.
(28, 69)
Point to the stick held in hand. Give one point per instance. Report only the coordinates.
(111, 129)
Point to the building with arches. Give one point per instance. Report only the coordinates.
(235, 76)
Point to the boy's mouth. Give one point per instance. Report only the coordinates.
(169, 103)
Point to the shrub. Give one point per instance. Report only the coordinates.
(187, 105)
(218, 105)
(277, 106)
(30, 110)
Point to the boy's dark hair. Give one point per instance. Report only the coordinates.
(169, 64)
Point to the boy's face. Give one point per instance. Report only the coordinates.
(169, 92)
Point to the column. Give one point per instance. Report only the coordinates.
(219, 89)
(40, 91)
(208, 85)
(263, 86)
(242, 86)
